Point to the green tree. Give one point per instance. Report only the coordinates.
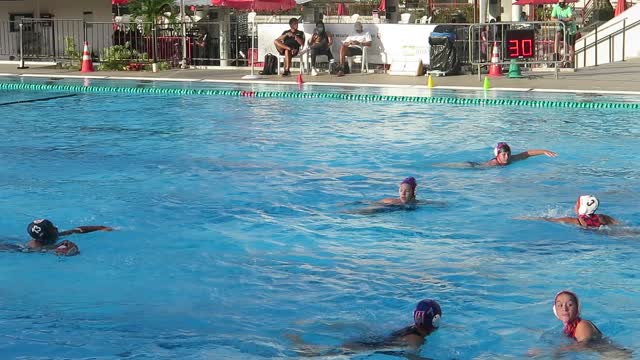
(150, 10)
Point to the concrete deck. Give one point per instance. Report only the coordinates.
(621, 77)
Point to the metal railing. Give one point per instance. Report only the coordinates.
(610, 38)
(61, 40)
(483, 38)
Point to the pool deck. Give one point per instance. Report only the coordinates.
(621, 77)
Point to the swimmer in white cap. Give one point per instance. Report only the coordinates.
(585, 209)
(502, 157)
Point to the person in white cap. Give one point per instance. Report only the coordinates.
(353, 44)
(585, 210)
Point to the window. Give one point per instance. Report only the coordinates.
(15, 19)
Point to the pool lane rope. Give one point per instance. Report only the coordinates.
(314, 95)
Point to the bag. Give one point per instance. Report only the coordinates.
(270, 65)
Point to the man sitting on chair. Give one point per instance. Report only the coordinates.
(289, 43)
(353, 45)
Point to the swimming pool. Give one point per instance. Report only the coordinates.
(232, 231)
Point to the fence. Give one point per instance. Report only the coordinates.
(220, 43)
(538, 50)
(60, 40)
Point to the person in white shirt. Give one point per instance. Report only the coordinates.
(353, 45)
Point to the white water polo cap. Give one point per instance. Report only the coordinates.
(587, 205)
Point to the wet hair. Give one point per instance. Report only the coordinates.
(292, 21)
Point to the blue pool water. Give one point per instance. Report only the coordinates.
(232, 231)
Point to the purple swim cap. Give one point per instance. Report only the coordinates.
(411, 181)
(427, 314)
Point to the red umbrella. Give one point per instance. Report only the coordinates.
(621, 6)
(383, 6)
(119, 2)
(256, 5)
(342, 10)
(539, 2)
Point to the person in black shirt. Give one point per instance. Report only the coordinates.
(289, 43)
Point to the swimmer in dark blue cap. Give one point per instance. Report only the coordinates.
(405, 201)
(44, 236)
(426, 320)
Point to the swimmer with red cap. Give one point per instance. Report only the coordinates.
(44, 236)
(586, 217)
(426, 320)
(566, 307)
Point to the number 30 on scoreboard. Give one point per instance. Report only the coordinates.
(520, 44)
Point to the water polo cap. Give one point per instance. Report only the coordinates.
(427, 314)
(587, 205)
(43, 231)
(411, 181)
(501, 146)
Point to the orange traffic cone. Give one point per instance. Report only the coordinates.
(87, 65)
(495, 69)
(300, 81)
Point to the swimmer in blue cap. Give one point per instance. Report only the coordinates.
(44, 236)
(426, 320)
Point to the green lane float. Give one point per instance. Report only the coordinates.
(312, 95)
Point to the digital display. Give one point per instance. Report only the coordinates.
(520, 44)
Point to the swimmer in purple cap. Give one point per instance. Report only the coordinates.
(44, 237)
(405, 201)
(426, 320)
(503, 157)
(407, 192)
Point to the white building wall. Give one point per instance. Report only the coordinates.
(611, 51)
(49, 40)
(60, 9)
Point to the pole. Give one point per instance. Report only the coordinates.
(251, 17)
(184, 36)
(21, 49)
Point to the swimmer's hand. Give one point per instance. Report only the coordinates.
(550, 153)
(67, 248)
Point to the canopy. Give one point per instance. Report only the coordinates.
(256, 5)
(621, 6)
(539, 2)
(119, 2)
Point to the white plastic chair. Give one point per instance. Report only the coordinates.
(405, 18)
(354, 18)
(300, 58)
(362, 59)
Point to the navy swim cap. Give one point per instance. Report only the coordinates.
(427, 314)
(43, 231)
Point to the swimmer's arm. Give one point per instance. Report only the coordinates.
(534, 152)
(608, 220)
(567, 220)
(85, 229)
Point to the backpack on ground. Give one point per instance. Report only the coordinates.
(270, 65)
